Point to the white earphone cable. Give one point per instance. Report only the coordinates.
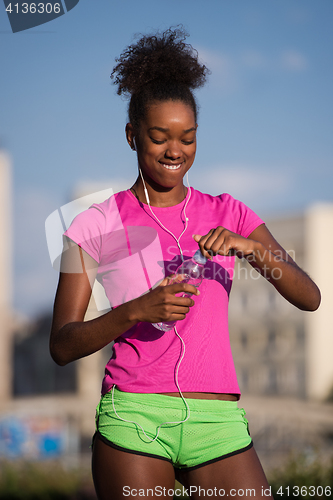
(180, 392)
(158, 220)
(175, 329)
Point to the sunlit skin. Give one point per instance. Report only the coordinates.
(166, 145)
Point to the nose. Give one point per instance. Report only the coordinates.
(173, 151)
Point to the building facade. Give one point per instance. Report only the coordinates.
(278, 349)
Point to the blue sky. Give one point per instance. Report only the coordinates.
(265, 122)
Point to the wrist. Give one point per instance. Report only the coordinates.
(133, 311)
(257, 253)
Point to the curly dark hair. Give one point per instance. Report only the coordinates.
(158, 67)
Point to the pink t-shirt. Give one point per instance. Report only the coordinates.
(134, 253)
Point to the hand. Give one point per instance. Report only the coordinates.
(269, 258)
(221, 241)
(163, 304)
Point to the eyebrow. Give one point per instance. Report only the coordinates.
(160, 129)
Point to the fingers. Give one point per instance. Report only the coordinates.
(183, 289)
(215, 242)
(176, 300)
(165, 281)
(166, 302)
(176, 286)
(201, 240)
(220, 241)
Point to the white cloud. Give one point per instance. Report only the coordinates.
(253, 59)
(259, 187)
(216, 61)
(223, 69)
(229, 70)
(298, 14)
(293, 60)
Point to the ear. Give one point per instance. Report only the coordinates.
(129, 130)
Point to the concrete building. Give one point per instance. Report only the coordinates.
(319, 327)
(278, 349)
(6, 316)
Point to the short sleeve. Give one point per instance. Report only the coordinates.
(245, 220)
(87, 230)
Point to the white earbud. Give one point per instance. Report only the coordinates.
(134, 144)
(188, 185)
(144, 188)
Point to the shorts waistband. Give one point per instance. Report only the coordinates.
(163, 401)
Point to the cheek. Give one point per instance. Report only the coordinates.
(192, 151)
(147, 156)
(153, 150)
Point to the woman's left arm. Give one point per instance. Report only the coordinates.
(269, 258)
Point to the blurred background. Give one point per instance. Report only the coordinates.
(265, 136)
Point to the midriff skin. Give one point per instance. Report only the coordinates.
(203, 395)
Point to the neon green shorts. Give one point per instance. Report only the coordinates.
(214, 430)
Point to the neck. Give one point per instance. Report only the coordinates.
(159, 198)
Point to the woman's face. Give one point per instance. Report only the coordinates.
(165, 143)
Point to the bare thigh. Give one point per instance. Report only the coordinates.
(119, 474)
(239, 476)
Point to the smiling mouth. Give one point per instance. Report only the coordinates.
(171, 167)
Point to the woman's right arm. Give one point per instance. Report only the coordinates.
(72, 338)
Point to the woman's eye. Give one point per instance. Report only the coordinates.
(155, 141)
(186, 143)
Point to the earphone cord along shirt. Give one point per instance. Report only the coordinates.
(134, 253)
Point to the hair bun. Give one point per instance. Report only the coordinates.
(163, 57)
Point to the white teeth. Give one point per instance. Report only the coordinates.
(171, 167)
